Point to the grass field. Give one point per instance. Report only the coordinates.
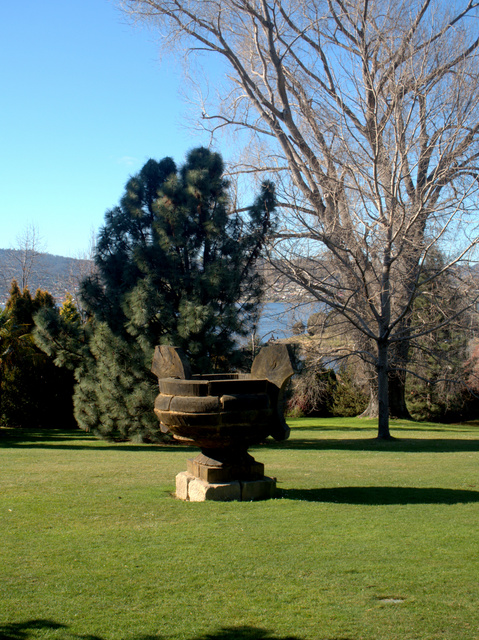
(367, 540)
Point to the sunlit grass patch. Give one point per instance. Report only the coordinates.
(365, 540)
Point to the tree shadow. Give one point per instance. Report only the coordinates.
(244, 633)
(38, 433)
(409, 445)
(29, 629)
(59, 439)
(326, 428)
(27, 438)
(418, 426)
(106, 447)
(18, 435)
(381, 495)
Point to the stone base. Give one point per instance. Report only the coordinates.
(226, 470)
(193, 489)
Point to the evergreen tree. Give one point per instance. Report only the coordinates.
(436, 384)
(33, 391)
(174, 266)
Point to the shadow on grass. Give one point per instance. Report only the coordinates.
(59, 439)
(29, 630)
(243, 633)
(414, 426)
(381, 495)
(31, 434)
(409, 445)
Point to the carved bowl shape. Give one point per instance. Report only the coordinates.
(222, 411)
(218, 411)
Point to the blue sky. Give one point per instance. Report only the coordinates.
(84, 102)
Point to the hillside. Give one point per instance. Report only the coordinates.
(59, 276)
(56, 274)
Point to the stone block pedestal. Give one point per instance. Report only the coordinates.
(194, 489)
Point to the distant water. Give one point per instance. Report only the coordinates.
(278, 319)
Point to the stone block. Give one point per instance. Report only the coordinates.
(199, 491)
(224, 473)
(263, 489)
(189, 421)
(193, 489)
(241, 386)
(173, 387)
(182, 481)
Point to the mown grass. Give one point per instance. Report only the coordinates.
(367, 540)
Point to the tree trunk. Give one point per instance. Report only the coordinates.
(372, 410)
(397, 396)
(383, 391)
(398, 360)
(397, 399)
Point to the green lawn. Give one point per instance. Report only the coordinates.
(367, 540)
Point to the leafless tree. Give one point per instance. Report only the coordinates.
(367, 114)
(24, 257)
(81, 268)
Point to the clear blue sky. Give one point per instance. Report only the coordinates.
(84, 102)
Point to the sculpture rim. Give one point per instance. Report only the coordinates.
(217, 411)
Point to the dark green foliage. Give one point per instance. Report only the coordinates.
(174, 263)
(62, 334)
(33, 391)
(174, 266)
(436, 389)
(115, 393)
(349, 399)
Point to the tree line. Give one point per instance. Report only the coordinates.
(175, 263)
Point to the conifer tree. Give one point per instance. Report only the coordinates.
(175, 265)
(33, 391)
(437, 384)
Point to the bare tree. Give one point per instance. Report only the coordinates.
(25, 255)
(83, 267)
(366, 112)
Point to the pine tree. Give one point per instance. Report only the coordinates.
(175, 265)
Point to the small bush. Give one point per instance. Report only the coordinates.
(325, 393)
(311, 394)
(429, 403)
(349, 399)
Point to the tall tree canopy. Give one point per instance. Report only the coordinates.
(175, 265)
(367, 113)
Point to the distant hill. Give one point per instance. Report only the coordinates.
(59, 276)
(56, 274)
